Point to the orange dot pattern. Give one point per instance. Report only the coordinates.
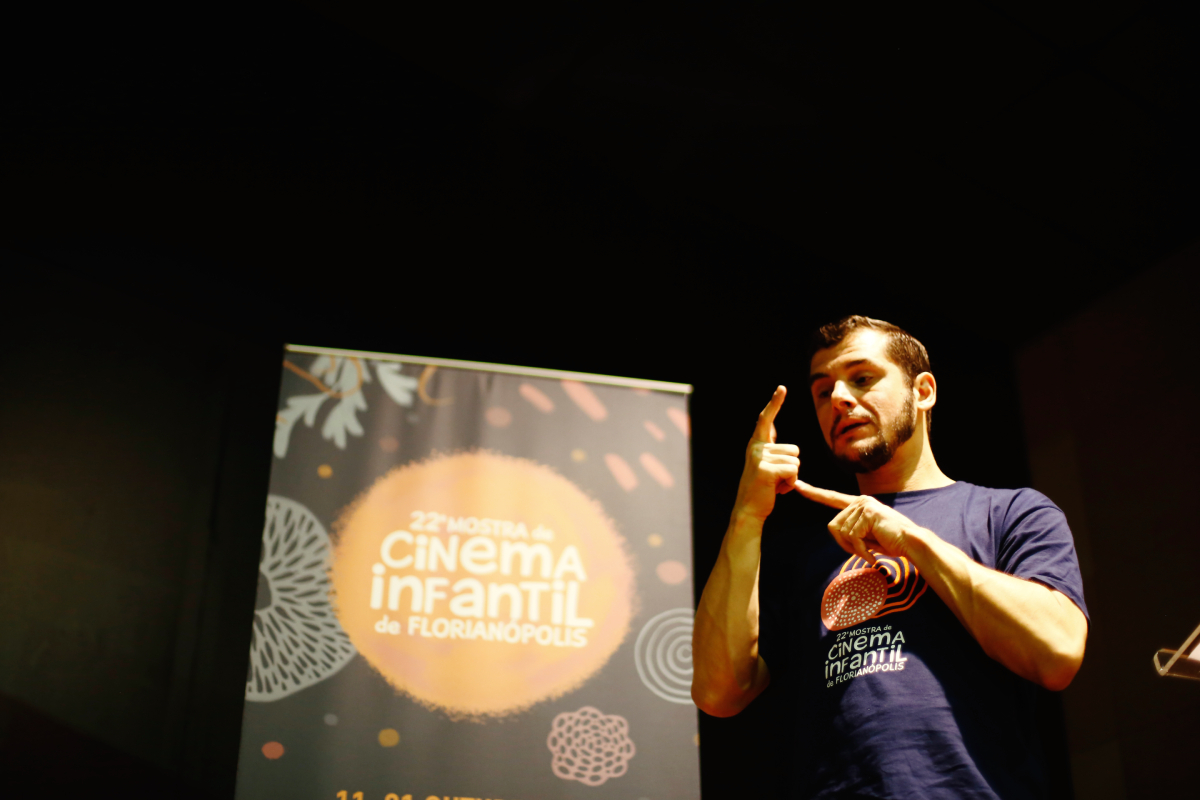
(852, 598)
(846, 599)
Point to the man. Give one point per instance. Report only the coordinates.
(896, 691)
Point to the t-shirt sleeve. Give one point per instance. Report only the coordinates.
(1036, 544)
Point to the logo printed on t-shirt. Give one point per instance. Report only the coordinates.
(861, 591)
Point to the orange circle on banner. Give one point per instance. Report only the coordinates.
(481, 584)
(671, 573)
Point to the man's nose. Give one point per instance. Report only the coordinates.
(841, 396)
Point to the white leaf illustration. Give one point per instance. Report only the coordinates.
(343, 419)
(348, 375)
(399, 387)
(337, 377)
(305, 405)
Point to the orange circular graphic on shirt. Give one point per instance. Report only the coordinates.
(480, 584)
(861, 591)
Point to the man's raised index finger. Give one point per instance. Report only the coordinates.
(826, 497)
(764, 431)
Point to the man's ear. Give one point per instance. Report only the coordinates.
(925, 389)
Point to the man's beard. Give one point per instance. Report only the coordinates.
(881, 450)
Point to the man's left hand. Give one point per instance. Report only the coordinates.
(863, 523)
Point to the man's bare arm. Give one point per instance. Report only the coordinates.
(1035, 631)
(728, 672)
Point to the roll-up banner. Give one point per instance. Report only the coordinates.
(475, 583)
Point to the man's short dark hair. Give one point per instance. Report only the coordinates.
(903, 349)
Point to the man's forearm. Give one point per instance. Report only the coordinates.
(727, 670)
(1033, 630)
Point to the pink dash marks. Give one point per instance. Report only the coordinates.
(654, 430)
(498, 417)
(671, 573)
(621, 471)
(657, 470)
(536, 397)
(680, 418)
(586, 399)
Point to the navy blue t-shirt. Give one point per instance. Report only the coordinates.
(891, 696)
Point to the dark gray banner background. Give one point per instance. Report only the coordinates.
(368, 417)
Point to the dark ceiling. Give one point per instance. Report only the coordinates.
(1004, 162)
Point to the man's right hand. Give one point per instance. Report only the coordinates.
(770, 469)
(727, 671)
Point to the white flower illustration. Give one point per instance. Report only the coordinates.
(338, 378)
(399, 387)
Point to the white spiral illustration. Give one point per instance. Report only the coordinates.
(296, 640)
(663, 655)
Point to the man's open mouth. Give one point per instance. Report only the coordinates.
(850, 425)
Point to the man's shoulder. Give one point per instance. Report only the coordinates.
(1008, 501)
(1016, 515)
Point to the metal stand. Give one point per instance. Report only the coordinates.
(1181, 663)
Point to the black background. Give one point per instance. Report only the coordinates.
(656, 190)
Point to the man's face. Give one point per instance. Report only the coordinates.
(864, 401)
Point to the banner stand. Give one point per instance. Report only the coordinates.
(475, 582)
